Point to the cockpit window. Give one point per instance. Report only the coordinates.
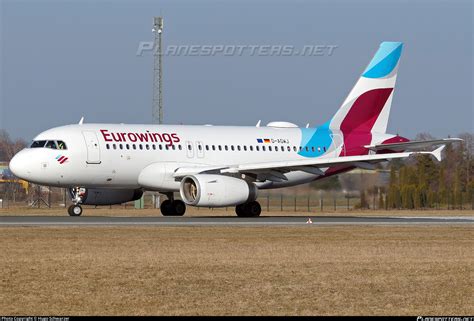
(51, 144)
(61, 144)
(38, 144)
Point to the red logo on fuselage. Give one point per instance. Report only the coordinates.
(146, 137)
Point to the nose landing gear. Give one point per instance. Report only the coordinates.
(74, 210)
(77, 194)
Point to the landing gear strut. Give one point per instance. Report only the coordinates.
(172, 207)
(77, 194)
(251, 209)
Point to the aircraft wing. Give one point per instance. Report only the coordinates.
(313, 166)
(411, 145)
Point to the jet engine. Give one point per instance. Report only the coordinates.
(216, 190)
(103, 196)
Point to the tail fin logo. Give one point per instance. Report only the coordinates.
(384, 60)
(61, 159)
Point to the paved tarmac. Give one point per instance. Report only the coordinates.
(228, 221)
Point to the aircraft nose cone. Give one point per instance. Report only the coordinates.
(19, 165)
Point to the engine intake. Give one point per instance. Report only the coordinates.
(216, 190)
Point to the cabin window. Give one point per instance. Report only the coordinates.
(324, 148)
(134, 146)
(207, 147)
(199, 147)
(154, 146)
(251, 148)
(127, 146)
(245, 148)
(312, 149)
(140, 146)
(213, 147)
(147, 147)
(107, 146)
(257, 148)
(270, 148)
(307, 148)
(294, 148)
(179, 147)
(120, 146)
(263, 148)
(114, 146)
(232, 147)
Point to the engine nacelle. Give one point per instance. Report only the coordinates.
(104, 196)
(216, 190)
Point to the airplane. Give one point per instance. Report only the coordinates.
(221, 166)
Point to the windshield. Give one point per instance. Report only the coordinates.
(38, 144)
(53, 144)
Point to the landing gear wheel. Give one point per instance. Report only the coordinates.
(251, 209)
(254, 208)
(240, 211)
(75, 210)
(166, 208)
(179, 207)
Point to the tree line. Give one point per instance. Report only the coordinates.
(423, 182)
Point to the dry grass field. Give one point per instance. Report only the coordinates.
(193, 211)
(357, 270)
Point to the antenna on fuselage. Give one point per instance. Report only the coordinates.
(81, 121)
(307, 125)
(258, 124)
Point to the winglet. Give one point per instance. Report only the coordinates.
(437, 153)
(81, 121)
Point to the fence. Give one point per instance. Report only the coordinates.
(11, 195)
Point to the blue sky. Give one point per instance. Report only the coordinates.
(61, 60)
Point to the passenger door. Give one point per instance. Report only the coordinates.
(339, 145)
(92, 144)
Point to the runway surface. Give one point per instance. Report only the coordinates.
(228, 221)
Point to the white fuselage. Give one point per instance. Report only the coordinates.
(113, 156)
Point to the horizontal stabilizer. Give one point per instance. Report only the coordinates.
(413, 145)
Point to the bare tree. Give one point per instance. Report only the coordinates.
(9, 148)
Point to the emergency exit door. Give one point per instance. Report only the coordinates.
(93, 150)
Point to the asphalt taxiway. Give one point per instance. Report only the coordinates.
(229, 221)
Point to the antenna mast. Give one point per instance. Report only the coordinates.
(157, 111)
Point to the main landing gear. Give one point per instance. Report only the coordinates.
(251, 209)
(77, 194)
(172, 207)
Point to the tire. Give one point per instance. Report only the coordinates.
(239, 210)
(167, 208)
(251, 209)
(74, 210)
(179, 208)
(254, 209)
